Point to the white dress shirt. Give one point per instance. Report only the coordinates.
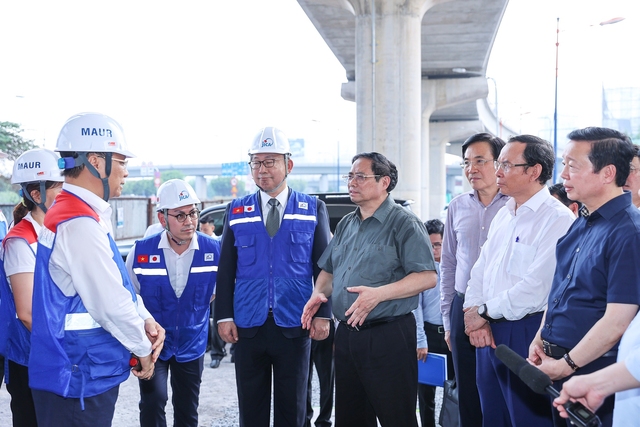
(514, 272)
(19, 256)
(82, 264)
(178, 266)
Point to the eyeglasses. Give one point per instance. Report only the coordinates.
(467, 164)
(358, 178)
(632, 169)
(124, 163)
(506, 166)
(182, 217)
(436, 245)
(256, 164)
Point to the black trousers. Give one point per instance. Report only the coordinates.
(427, 393)
(55, 411)
(377, 375)
(322, 358)
(23, 409)
(185, 385)
(259, 356)
(464, 363)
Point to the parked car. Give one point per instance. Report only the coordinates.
(338, 205)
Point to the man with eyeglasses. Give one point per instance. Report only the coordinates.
(377, 263)
(271, 243)
(175, 272)
(595, 293)
(87, 318)
(510, 282)
(465, 231)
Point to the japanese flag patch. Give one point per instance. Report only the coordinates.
(250, 208)
(154, 259)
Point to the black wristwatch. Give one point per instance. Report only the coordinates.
(482, 312)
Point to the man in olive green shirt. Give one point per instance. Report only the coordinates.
(378, 262)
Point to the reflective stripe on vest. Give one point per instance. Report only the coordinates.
(245, 220)
(299, 217)
(79, 322)
(150, 271)
(204, 269)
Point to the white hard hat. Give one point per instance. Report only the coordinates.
(92, 133)
(174, 194)
(37, 165)
(270, 140)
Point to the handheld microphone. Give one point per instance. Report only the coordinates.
(540, 382)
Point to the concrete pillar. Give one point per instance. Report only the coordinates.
(437, 94)
(388, 64)
(201, 187)
(440, 134)
(323, 183)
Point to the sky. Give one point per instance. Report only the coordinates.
(192, 82)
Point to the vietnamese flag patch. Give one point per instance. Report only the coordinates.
(143, 259)
(238, 210)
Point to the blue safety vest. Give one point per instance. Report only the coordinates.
(16, 338)
(71, 354)
(273, 272)
(185, 319)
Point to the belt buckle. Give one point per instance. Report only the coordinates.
(441, 329)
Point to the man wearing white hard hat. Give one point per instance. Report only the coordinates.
(271, 243)
(175, 272)
(87, 318)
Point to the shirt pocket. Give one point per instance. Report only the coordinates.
(378, 264)
(521, 258)
(246, 247)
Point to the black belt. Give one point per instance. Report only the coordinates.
(436, 328)
(557, 352)
(460, 295)
(373, 323)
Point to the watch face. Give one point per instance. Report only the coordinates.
(482, 309)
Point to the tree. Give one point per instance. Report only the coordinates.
(222, 187)
(139, 187)
(11, 142)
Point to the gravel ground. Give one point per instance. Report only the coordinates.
(218, 399)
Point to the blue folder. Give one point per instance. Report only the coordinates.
(434, 370)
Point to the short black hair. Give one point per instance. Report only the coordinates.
(495, 143)
(537, 151)
(380, 165)
(435, 226)
(559, 191)
(608, 147)
(208, 219)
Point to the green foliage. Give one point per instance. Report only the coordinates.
(9, 197)
(139, 187)
(221, 187)
(11, 142)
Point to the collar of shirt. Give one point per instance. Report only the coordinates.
(102, 208)
(499, 196)
(37, 227)
(612, 207)
(383, 210)
(164, 243)
(282, 198)
(532, 204)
